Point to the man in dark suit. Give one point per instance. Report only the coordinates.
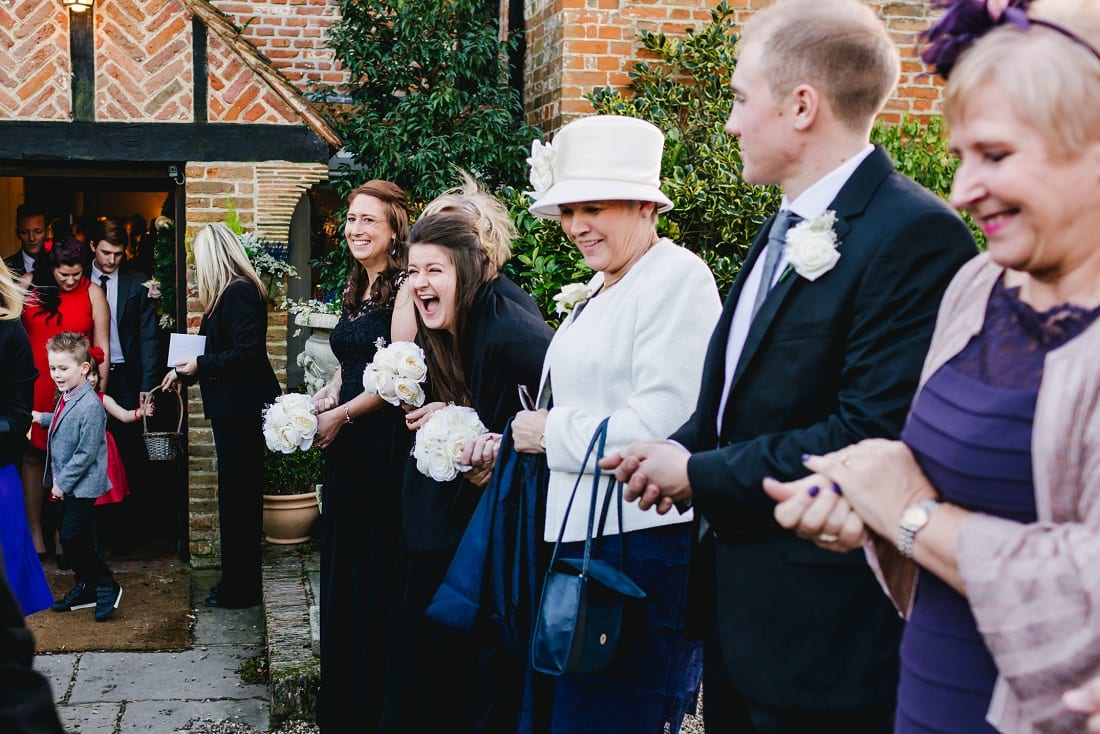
(30, 228)
(134, 344)
(799, 639)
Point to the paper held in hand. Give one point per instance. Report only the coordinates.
(182, 346)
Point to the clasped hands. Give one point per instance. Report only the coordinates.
(852, 492)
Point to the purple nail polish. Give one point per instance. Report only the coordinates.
(813, 491)
(805, 457)
(836, 488)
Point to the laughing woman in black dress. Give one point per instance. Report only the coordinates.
(366, 444)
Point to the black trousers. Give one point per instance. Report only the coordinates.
(77, 534)
(239, 444)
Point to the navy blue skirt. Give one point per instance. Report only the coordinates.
(653, 681)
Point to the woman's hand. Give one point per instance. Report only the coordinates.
(480, 454)
(188, 366)
(416, 417)
(329, 424)
(529, 431)
(478, 477)
(1085, 700)
(327, 398)
(171, 382)
(878, 478)
(815, 510)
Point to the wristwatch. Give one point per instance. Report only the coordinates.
(912, 521)
(542, 441)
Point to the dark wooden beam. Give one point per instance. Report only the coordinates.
(201, 70)
(159, 141)
(82, 53)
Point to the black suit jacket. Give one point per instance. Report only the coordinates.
(825, 364)
(17, 376)
(15, 263)
(136, 316)
(234, 372)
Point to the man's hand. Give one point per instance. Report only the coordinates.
(654, 472)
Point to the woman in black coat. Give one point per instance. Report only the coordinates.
(480, 345)
(236, 380)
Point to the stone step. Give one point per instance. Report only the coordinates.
(294, 670)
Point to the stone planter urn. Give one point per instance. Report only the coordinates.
(317, 359)
(289, 518)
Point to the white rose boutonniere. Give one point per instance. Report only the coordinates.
(812, 246)
(153, 286)
(569, 297)
(541, 161)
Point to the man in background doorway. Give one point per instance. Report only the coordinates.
(30, 228)
(134, 347)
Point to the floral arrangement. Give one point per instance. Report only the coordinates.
(570, 297)
(396, 373)
(542, 159)
(162, 286)
(290, 424)
(439, 442)
(812, 246)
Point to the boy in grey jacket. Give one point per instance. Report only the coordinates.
(76, 473)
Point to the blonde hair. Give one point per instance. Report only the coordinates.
(840, 47)
(489, 216)
(1051, 82)
(220, 259)
(11, 295)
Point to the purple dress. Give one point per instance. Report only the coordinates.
(970, 431)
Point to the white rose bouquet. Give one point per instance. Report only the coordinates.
(290, 423)
(440, 441)
(396, 374)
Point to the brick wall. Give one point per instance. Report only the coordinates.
(264, 196)
(290, 33)
(575, 46)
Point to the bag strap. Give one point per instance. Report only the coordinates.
(598, 438)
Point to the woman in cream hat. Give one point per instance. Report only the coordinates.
(632, 348)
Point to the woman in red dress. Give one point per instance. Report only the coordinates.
(60, 299)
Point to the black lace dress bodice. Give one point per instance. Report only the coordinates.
(354, 341)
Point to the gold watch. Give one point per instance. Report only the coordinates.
(542, 441)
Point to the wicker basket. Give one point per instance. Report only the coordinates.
(163, 445)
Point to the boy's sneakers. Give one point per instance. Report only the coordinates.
(80, 596)
(107, 596)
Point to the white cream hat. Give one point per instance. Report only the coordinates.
(597, 158)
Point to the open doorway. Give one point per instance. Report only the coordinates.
(75, 196)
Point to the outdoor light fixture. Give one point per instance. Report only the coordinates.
(78, 6)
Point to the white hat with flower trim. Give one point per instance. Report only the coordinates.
(597, 158)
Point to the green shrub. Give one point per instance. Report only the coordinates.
(293, 473)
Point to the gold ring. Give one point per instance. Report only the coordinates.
(827, 538)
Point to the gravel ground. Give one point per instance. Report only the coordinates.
(232, 727)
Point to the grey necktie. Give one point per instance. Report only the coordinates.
(777, 243)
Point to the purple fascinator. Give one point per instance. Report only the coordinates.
(963, 22)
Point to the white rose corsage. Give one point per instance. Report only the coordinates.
(570, 297)
(153, 286)
(812, 246)
(440, 441)
(541, 161)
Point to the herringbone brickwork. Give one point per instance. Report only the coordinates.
(34, 62)
(238, 94)
(291, 34)
(143, 61)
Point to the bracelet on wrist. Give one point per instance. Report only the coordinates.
(136, 416)
(347, 415)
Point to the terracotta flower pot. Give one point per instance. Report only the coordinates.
(289, 518)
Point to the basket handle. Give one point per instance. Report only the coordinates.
(145, 418)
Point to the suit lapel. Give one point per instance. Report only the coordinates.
(75, 398)
(849, 205)
(125, 281)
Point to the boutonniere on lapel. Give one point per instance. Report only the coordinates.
(153, 286)
(570, 297)
(812, 247)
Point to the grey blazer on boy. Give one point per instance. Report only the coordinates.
(78, 443)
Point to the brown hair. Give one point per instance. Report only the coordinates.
(70, 342)
(65, 251)
(490, 217)
(838, 46)
(394, 199)
(112, 231)
(457, 235)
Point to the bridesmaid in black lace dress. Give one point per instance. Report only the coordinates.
(366, 445)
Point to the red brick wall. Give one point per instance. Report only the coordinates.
(575, 46)
(290, 33)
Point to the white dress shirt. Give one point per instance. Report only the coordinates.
(112, 302)
(28, 261)
(812, 202)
